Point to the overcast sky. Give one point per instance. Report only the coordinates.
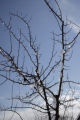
(42, 24)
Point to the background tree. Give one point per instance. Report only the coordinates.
(23, 68)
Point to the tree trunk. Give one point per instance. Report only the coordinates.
(57, 109)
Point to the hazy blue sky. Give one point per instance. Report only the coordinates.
(42, 24)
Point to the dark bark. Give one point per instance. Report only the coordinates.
(57, 108)
(46, 100)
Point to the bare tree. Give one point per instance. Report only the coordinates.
(25, 70)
